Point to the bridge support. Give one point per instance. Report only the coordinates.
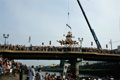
(74, 67)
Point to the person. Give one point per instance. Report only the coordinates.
(46, 76)
(27, 71)
(31, 73)
(21, 73)
(39, 75)
(49, 77)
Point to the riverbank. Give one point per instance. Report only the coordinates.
(10, 77)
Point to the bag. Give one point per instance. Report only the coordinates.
(37, 76)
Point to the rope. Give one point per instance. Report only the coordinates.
(68, 20)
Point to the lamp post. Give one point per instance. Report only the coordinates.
(5, 36)
(80, 40)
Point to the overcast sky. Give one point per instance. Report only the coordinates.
(45, 20)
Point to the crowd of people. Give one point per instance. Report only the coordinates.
(56, 48)
(7, 66)
(10, 67)
(33, 75)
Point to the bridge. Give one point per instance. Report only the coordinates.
(59, 55)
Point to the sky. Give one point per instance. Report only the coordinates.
(46, 20)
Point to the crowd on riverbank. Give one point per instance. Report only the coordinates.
(32, 75)
(56, 48)
(9, 67)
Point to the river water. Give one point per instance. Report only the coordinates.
(58, 74)
(90, 76)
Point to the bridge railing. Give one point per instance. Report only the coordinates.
(56, 48)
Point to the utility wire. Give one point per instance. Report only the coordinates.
(68, 19)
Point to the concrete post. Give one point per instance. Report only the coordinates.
(77, 69)
(74, 67)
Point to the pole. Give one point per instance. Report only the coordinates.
(111, 43)
(92, 31)
(80, 40)
(5, 41)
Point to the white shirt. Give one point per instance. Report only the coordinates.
(31, 74)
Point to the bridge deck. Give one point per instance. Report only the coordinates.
(56, 52)
(12, 54)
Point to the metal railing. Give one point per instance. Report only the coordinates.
(56, 48)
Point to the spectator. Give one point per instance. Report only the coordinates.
(46, 76)
(39, 75)
(21, 73)
(31, 73)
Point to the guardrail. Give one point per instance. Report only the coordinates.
(56, 48)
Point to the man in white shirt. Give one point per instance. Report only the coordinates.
(31, 73)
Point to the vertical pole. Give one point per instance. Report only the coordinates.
(80, 40)
(5, 41)
(81, 45)
(111, 43)
(77, 69)
(74, 67)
